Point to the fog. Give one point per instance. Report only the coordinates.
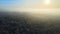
(16, 22)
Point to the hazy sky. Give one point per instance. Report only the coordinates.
(29, 5)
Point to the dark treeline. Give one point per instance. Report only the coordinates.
(20, 23)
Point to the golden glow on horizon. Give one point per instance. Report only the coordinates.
(45, 6)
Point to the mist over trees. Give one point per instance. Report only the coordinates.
(24, 23)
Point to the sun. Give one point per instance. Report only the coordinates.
(47, 2)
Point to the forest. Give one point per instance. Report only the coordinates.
(26, 23)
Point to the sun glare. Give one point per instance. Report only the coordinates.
(47, 2)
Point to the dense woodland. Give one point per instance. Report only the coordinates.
(24, 23)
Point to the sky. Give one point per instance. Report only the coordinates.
(30, 5)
